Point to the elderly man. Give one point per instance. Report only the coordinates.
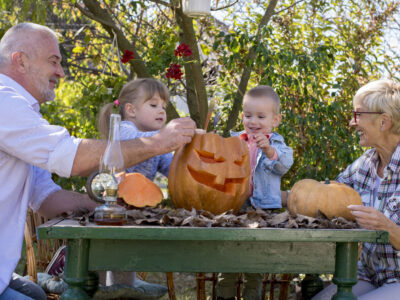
(31, 149)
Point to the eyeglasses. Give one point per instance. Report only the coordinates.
(358, 113)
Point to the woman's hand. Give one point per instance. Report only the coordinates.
(373, 219)
(370, 217)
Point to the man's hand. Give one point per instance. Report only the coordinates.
(65, 201)
(176, 133)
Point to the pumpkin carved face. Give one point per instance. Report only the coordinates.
(210, 173)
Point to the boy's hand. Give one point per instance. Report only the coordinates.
(263, 143)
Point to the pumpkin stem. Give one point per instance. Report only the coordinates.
(327, 181)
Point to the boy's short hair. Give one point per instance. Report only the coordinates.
(267, 92)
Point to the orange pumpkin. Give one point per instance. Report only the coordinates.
(137, 190)
(210, 173)
(332, 198)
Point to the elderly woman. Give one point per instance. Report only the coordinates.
(376, 177)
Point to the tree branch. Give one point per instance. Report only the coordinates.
(91, 70)
(162, 3)
(286, 8)
(244, 80)
(89, 14)
(224, 7)
(196, 91)
(95, 12)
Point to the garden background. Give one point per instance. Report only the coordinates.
(314, 53)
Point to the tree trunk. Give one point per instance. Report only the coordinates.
(244, 80)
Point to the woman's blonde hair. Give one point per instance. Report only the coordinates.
(135, 92)
(382, 96)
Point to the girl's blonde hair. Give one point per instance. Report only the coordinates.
(382, 96)
(135, 92)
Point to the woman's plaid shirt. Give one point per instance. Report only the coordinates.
(379, 263)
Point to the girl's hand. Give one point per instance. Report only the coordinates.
(370, 217)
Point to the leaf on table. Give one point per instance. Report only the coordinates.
(279, 219)
(248, 218)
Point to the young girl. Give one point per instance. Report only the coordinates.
(142, 105)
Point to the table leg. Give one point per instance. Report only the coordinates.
(76, 269)
(345, 270)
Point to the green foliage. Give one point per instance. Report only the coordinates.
(161, 50)
(22, 11)
(315, 64)
(315, 54)
(314, 120)
(76, 108)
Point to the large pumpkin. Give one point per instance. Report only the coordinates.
(210, 173)
(332, 198)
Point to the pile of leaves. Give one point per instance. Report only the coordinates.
(250, 218)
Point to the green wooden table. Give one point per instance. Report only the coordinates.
(188, 249)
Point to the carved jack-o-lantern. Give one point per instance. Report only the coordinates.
(210, 173)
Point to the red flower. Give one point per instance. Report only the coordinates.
(128, 55)
(183, 50)
(174, 71)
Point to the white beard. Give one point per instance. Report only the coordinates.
(42, 84)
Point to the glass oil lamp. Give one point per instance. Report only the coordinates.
(105, 184)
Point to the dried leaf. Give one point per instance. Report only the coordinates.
(279, 218)
(250, 218)
(292, 224)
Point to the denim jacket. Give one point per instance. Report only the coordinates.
(267, 173)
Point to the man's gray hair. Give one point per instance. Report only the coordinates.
(23, 37)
